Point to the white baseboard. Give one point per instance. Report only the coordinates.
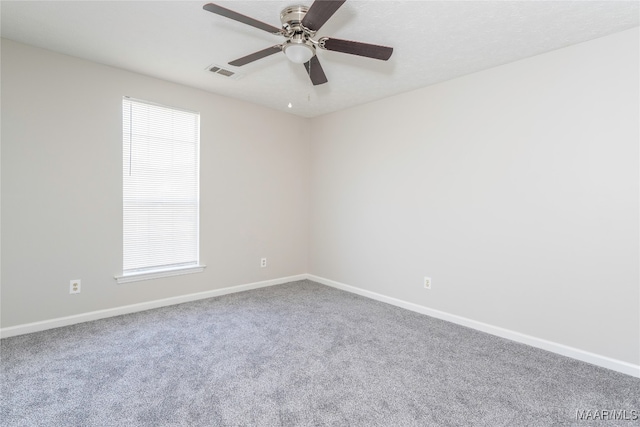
(582, 355)
(133, 308)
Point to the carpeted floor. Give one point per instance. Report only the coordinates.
(299, 354)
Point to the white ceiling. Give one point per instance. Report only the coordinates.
(433, 41)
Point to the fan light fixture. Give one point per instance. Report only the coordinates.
(298, 53)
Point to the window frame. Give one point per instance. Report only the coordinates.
(176, 269)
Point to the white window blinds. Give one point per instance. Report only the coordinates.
(160, 187)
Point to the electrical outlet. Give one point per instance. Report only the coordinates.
(427, 282)
(263, 262)
(74, 286)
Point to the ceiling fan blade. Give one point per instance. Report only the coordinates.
(356, 48)
(256, 55)
(316, 73)
(219, 10)
(320, 12)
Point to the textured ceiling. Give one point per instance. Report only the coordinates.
(433, 41)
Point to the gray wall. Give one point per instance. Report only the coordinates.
(62, 187)
(516, 189)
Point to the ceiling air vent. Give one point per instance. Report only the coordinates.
(223, 72)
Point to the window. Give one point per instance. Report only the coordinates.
(160, 190)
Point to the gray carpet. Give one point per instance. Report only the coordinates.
(299, 354)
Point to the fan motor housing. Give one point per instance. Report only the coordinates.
(293, 15)
(291, 18)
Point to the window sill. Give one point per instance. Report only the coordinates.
(158, 274)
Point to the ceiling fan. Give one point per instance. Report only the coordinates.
(299, 27)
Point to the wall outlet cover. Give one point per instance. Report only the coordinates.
(75, 286)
